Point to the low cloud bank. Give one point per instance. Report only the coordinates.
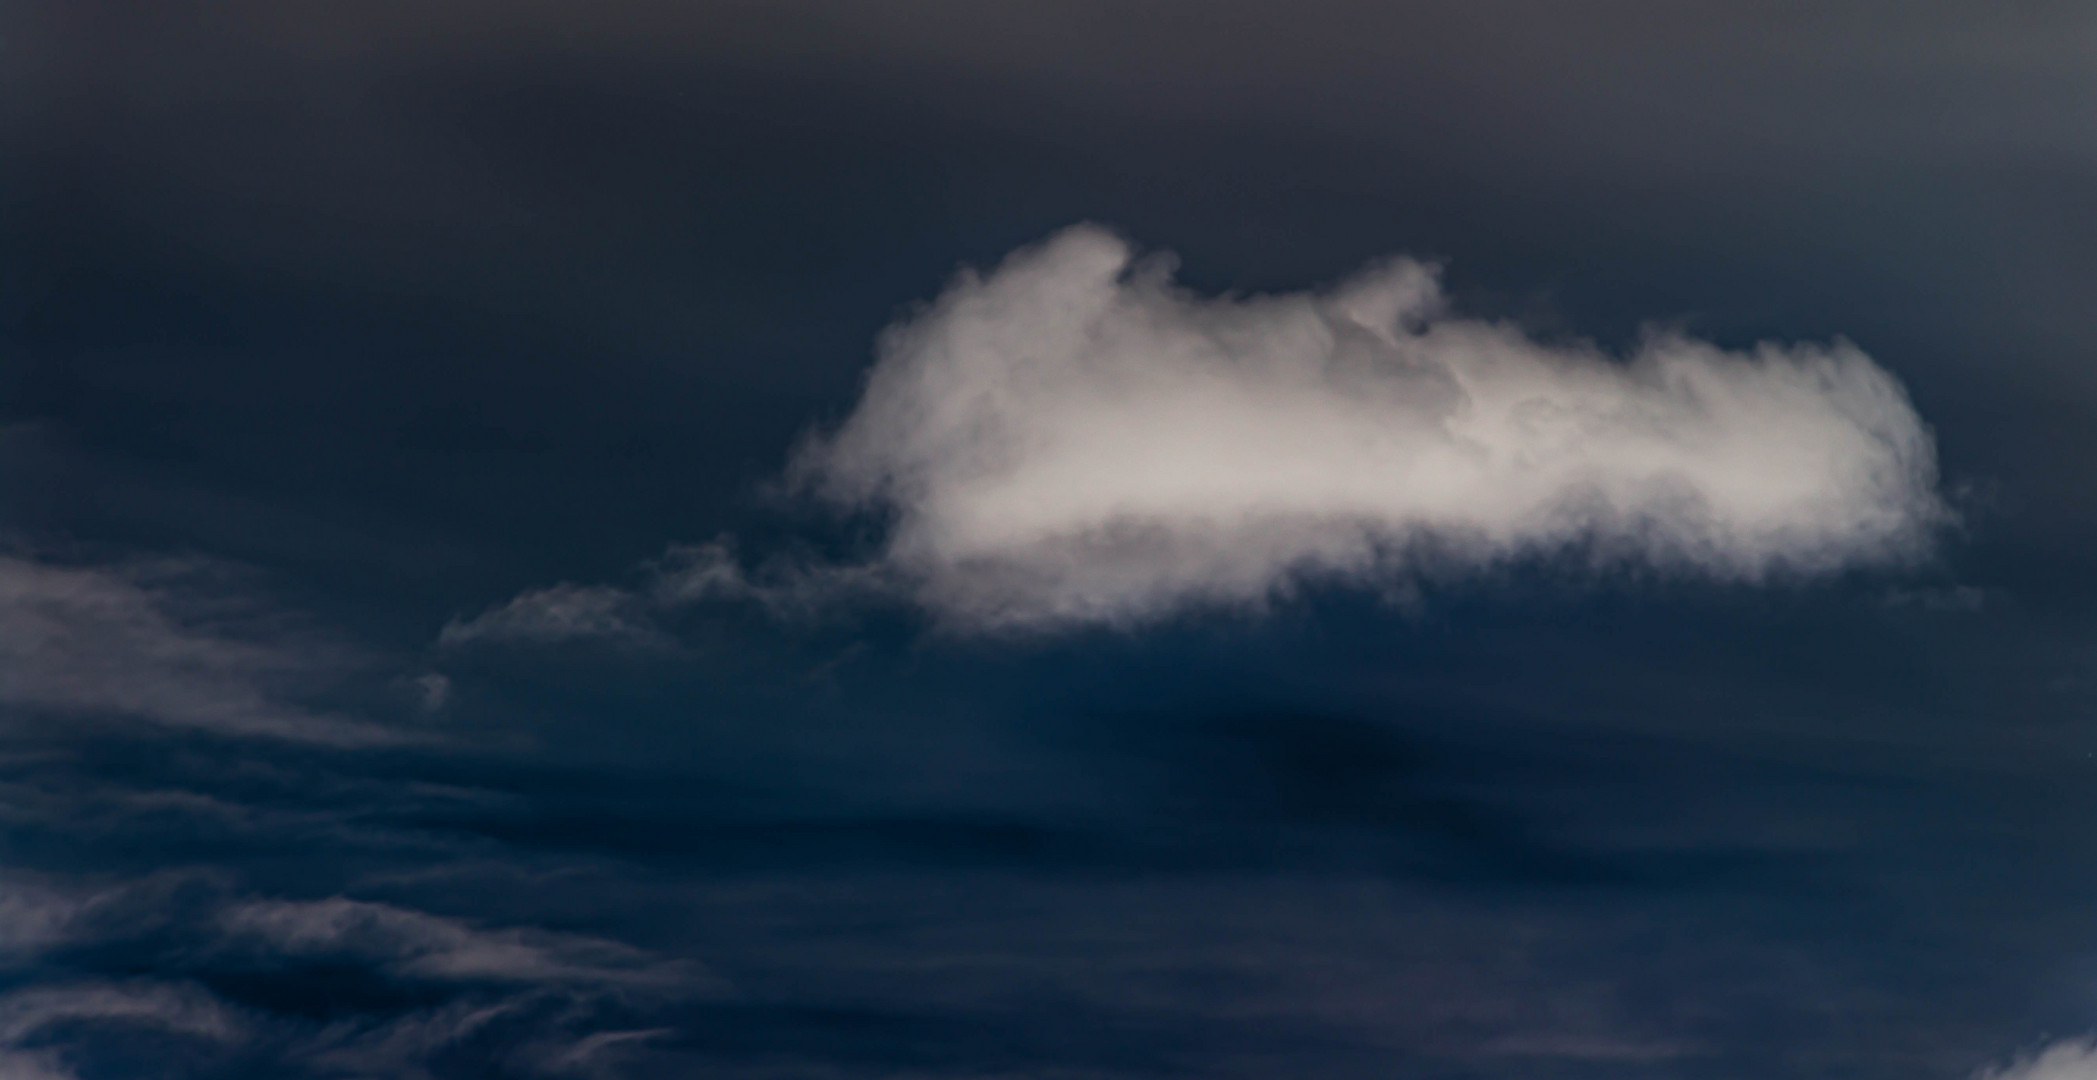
(1074, 438)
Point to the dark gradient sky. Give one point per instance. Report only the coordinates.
(323, 327)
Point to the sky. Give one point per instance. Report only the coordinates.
(1059, 540)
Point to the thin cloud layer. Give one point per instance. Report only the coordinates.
(118, 641)
(2069, 1059)
(1075, 438)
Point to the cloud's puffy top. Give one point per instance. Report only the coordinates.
(1073, 437)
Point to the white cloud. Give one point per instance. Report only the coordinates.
(121, 640)
(1073, 438)
(2070, 1059)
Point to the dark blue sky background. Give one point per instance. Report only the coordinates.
(324, 326)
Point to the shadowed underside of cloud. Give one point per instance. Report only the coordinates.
(1075, 438)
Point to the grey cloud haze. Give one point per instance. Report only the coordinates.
(2069, 1059)
(1073, 437)
(784, 588)
(112, 640)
